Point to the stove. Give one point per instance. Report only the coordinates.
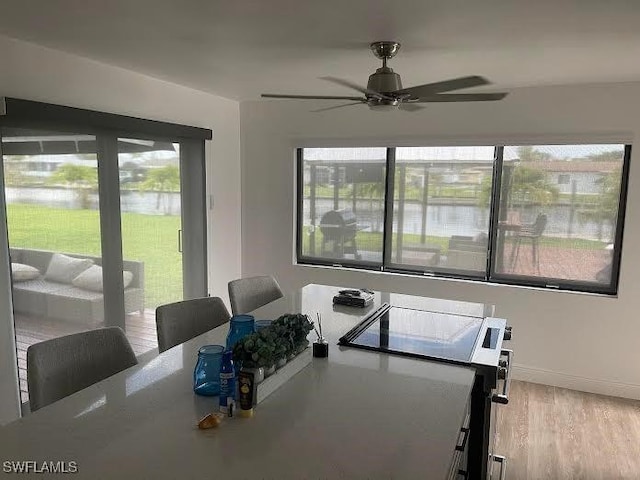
(460, 339)
(457, 339)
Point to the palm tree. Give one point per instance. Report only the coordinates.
(81, 178)
(606, 208)
(530, 185)
(528, 153)
(164, 181)
(373, 190)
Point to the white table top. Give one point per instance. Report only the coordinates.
(357, 414)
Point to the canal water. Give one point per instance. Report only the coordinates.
(442, 220)
(447, 220)
(148, 203)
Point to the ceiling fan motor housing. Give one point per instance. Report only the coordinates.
(384, 80)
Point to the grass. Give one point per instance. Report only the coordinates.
(151, 239)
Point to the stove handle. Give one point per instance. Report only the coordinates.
(503, 465)
(503, 397)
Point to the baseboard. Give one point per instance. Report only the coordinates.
(573, 382)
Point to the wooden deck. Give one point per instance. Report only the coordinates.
(140, 330)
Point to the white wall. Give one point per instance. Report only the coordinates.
(580, 341)
(36, 73)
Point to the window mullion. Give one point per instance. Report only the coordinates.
(622, 203)
(495, 212)
(387, 231)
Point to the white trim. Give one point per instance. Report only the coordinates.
(574, 382)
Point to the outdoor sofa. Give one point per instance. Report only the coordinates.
(74, 294)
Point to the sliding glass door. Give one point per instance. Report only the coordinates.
(96, 234)
(151, 223)
(51, 191)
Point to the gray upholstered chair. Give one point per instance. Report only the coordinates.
(181, 321)
(247, 294)
(61, 366)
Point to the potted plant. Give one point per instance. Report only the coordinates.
(255, 352)
(295, 328)
(267, 350)
(282, 344)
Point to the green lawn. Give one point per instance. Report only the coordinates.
(151, 239)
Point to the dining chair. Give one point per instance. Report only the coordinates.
(247, 294)
(530, 233)
(61, 366)
(181, 321)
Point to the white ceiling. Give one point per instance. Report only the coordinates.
(238, 49)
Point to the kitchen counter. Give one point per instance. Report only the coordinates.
(356, 414)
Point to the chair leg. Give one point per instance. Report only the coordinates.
(516, 242)
(516, 249)
(535, 254)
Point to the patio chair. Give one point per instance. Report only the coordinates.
(181, 321)
(61, 366)
(530, 233)
(247, 294)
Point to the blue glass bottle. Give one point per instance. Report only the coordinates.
(206, 375)
(227, 381)
(240, 326)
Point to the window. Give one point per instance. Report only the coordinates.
(441, 208)
(539, 215)
(343, 204)
(563, 233)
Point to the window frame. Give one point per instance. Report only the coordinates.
(489, 275)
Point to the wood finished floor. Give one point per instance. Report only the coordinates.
(140, 330)
(554, 433)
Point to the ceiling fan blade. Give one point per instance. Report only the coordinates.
(354, 86)
(463, 97)
(338, 106)
(410, 107)
(444, 86)
(312, 97)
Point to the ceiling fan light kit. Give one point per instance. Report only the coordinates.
(384, 89)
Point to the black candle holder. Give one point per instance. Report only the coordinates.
(320, 348)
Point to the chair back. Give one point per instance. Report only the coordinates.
(61, 366)
(540, 224)
(247, 294)
(181, 321)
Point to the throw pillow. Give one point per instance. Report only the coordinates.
(21, 272)
(91, 279)
(64, 269)
(481, 237)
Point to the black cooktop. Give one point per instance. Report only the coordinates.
(417, 333)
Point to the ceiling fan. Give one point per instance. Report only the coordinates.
(384, 90)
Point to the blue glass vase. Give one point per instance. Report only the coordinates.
(206, 376)
(239, 327)
(260, 324)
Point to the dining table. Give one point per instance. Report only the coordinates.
(355, 414)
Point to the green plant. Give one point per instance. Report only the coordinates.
(283, 344)
(286, 336)
(164, 181)
(296, 327)
(255, 350)
(81, 178)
